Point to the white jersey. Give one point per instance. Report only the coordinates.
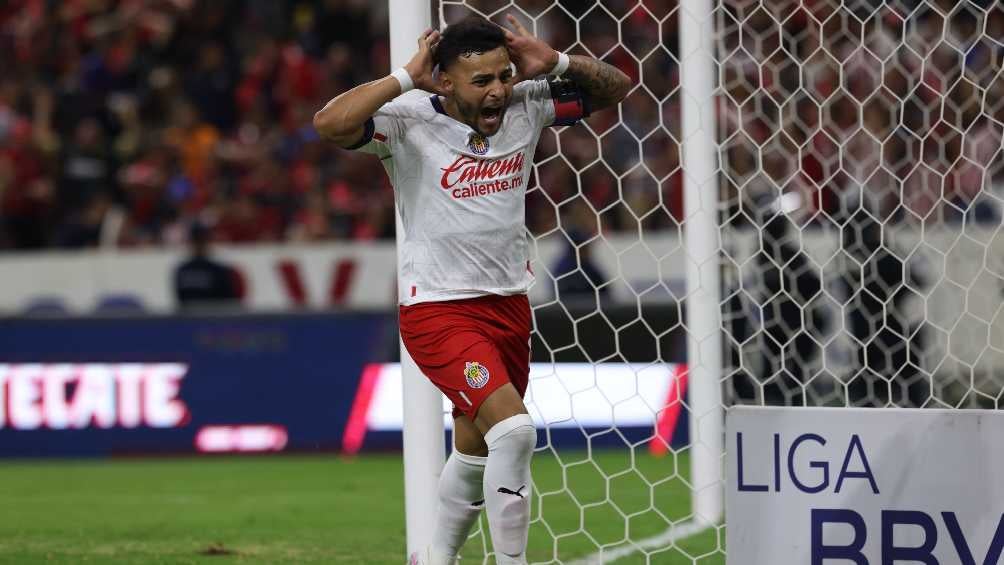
(461, 195)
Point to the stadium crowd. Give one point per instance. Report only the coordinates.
(122, 122)
(897, 107)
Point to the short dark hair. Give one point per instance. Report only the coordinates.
(474, 34)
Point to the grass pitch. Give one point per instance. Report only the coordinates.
(318, 509)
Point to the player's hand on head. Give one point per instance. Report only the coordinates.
(421, 65)
(532, 56)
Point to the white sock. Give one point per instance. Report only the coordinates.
(461, 498)
(507, 486)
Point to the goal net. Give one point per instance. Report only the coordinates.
(843, 163)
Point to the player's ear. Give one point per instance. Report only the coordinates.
(446, 84)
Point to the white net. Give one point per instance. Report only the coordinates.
(860, 177)
(860, 147)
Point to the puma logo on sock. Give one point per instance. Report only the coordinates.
(516, 492)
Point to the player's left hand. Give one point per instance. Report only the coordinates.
(532, 57)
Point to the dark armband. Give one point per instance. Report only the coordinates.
(368, 129)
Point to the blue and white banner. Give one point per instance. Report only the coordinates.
(141, 385)
(835, 486)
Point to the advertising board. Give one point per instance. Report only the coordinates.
(837, 485)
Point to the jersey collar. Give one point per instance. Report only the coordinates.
(437, 104)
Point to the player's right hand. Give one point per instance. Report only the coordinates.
(420, 66)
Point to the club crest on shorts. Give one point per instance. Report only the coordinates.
(476, 374)
(478, 143)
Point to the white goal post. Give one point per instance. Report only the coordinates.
(424, 453)
(701, 241)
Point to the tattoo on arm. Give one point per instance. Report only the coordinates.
(605, 84)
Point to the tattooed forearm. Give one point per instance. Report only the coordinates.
(605, 84)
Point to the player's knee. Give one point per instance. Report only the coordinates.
(462, 479)
(515, 433)
(473, 446)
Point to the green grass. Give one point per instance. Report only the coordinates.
(320, 509)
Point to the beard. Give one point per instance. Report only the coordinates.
(471, 114)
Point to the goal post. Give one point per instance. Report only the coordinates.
(422, 432)
(702, 243)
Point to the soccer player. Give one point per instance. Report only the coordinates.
(459, 161)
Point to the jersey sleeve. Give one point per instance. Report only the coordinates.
(555, 102)
(383, 130)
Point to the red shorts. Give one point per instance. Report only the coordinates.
(469, 348)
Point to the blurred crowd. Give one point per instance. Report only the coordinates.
(896, 108)
(123, 122)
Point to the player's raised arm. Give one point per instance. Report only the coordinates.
(604, 84)
(343, 119)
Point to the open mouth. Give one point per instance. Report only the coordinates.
(491, 116)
